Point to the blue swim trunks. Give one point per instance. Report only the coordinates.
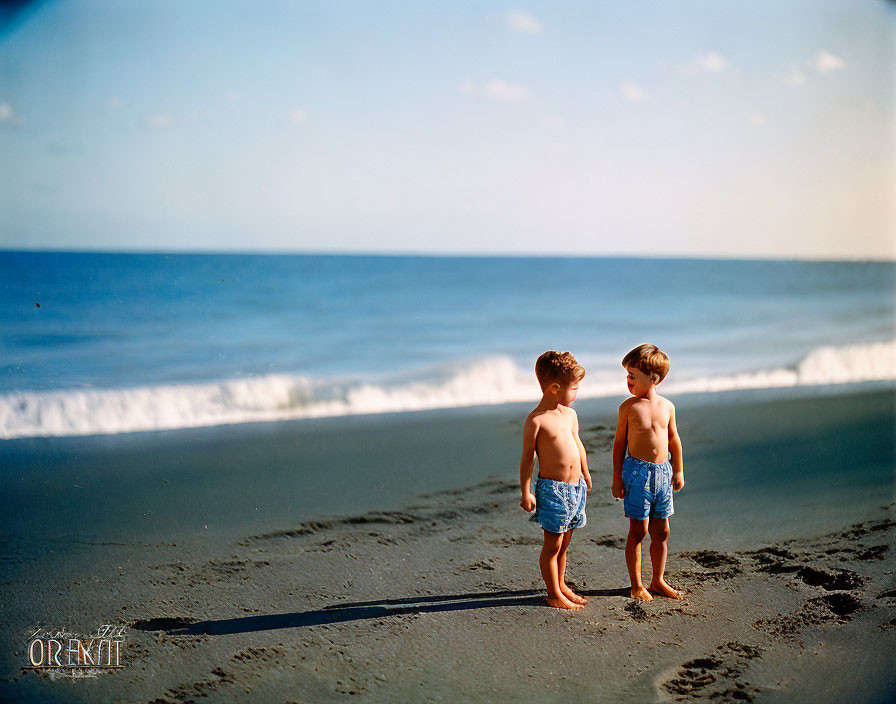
(560, 506)
(648, 488)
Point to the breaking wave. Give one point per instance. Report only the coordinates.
(282, 397)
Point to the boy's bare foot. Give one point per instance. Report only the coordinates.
(641, 594)
(572, 596)
(662, 589)
(562, 602)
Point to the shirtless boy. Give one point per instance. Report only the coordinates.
(551, 433)
(646, 439)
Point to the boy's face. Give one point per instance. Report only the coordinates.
(566, 393)
(638, 382)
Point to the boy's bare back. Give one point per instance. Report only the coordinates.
(556, 435)
(647, 422)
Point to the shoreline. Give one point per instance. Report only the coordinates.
(24, 412)
(584, 404)
(435, 595)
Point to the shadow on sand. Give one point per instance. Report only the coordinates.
(357, 611)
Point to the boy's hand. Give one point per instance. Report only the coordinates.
(677, 481)
(528, 501)
(619, 490)
(588, 482)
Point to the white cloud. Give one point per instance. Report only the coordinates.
(632, 93)
(297, 116)
(758, 118)
(794, 78)
(555, 121)
(825, 62)
(233, 96)
(509, 92)
(497, 90)
(158, 121)
(522, 22)
(114, 102)
(710, 62)
(7, 113)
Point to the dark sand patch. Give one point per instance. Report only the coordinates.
(616, 542)
(716, 677)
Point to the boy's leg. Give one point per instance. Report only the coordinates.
(561, 570)
(659, 548)
(637, 529)
(550, 570)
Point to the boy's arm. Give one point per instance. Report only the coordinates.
(527, 464)
(675, 451)
(583, 454)
(619, 443)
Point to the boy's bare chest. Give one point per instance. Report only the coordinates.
(556, 431)
(647, 417)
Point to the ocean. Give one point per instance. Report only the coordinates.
(94, 343)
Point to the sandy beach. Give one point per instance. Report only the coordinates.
(386, 559)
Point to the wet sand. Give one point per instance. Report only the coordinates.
(437, 597)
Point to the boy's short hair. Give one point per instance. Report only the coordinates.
(559, 367)
(650, 359)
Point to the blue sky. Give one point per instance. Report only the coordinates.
(570, 128)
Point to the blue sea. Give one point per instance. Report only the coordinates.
(94, 343)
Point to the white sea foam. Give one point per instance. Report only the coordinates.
(282, 397)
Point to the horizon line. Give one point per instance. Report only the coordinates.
(417, 254)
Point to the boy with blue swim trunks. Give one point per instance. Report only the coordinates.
(646, 440)
(551, 432)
